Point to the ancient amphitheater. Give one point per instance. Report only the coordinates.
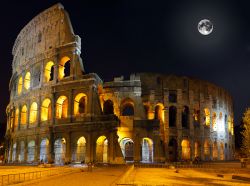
(58, 113)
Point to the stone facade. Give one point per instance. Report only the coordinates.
(58, 113)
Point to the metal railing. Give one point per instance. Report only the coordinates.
(27, 176)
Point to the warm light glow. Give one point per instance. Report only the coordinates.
(207, 115)
(24, 115)
(16, 117)
(230, 125)
(62, 107)
(102, 149)
(61, 72)
(48, 71)
(215, 150)
(185, 149)
(159, 112)
(33, 113)
(20, 86)
(46, 110)
(27, 81)
(196, 149)
(80, 104)
(206, 148)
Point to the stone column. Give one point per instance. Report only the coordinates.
(25, 150)
(137, 148)
(37, 151)
(89, 146)
(68, 147)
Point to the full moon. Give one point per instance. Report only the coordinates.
(205, 27)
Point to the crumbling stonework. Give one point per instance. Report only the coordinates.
(58, 113)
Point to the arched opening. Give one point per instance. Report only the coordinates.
(197, 149)
(207, 116)
(27, 81)
(31, 151)
(44, 150)
(185, 145)
(159, 113)
(60, 151)
(172, 116)
(22, 150)
(128, 109)
(62, 107)
(127, 147)
(108, 107)
(16, 117)
(214, 121)
(20, 86)
(206, 150)
(147, 150)
(46, 110)
(222, 151)
(215, 151)
(172, 148)
(24, 115)
(33, 113)
(79, 151)
(102, 149)
(80, 104)
(14, 152)
(64, 68)
(49, 71)
(185, 117)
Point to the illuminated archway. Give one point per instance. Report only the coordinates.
(159, 113)
(27, 81)
(185, 145)
(127, 147)
(46, 110)
(79, 151)
(22, 151)
(102, 149)
(44, 150)
(197, 150)
(80, 104)
(207, 116)
(31, 151)
(64, 68)
(147, 150)
(24, 115)
(222, 152)
(20, 86)
(60, 150)
(16, 117)
(215, 151)
(49, 71)
(33, 113)
(62, 107)
(14, 152)
(127, 107)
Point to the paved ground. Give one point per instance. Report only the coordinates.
(99, 177)
(104, 176)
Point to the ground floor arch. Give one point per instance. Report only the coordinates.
(147, 150)
(206, 150)
(185, 147)
(60, 150)
(197, 150)
(44, 150)
(127, 147)
(31, 151)
(14, 152)
(79, 150)
(222, 151)
(22, 151)
(102, 149)
(215, 151)
(172, 150)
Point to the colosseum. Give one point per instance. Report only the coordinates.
(59, 114)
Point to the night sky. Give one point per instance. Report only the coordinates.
(120, 37)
